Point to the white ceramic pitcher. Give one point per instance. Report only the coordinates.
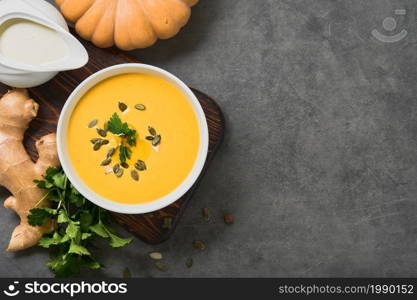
(22, 75)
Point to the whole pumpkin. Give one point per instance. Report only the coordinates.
(128, 24)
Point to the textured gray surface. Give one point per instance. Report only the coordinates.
(319, 165)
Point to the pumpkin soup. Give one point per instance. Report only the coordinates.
(133, 138)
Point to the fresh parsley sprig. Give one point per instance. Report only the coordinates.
(119, 128)
(78, 223)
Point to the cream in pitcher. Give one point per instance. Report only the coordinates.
(35, 43)
(30, 43)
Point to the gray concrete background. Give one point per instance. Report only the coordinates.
(319, 164)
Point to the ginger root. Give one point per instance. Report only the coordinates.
(17, 170)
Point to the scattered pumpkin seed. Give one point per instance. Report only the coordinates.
(199, 245)
(106, 126)
(152, 130)
(95, 140)
(116, 168)
(149, 138)
(134, 175)
(127, 273)
(140, 107)
(111, 152)
(92, 123)
(189, 262)
(167, 223)
(155, 255)
(149, 215)
(101, 132)
(122, 106)
(140, 165)
(106, 162)
(156, 141)
(125, 165)
(97, 146)
(104, 142)
(206, 213)
(228, 219)
(160, 266)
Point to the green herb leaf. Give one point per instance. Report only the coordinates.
(125, 153)
(42, 184)
(37, 216)
(65, 265)
(46, 242)
(78, 249)
(117, 242)
(62, 217)
(85, 236)
(117, 127)
(100, 230)
(50, 211)
(73, 230)
(131, 137)
(86, 219)
(76, 198)
(51, 172)
(90, 263)
(59, 180)
(70, 240)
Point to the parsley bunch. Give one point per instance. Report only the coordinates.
(117, 127)
(78, 223)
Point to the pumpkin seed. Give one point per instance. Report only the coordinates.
(119, 173)
(127, 273)
(199, 245)
(106, 162)
(228, 219)
(106, 126)
(189, 262)
(149, 215)
(101, 132)
(97, 146)
(149, 138)
(92, 123)
(125, 165)
(116, 168)
(140, 107)
(160, 266)
(134, 175)
(155, 255)
(152, 130)
(104, 142)
(122, 106)
(140, 165)
(111, 152)
(206, 213)
(95, 140)
(167, 223)
(156, 141)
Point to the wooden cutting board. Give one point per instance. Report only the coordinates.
(152, 228)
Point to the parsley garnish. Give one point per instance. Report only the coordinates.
(124, 153)
(117, 127)
(78, 222)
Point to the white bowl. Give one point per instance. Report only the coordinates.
(78, 183)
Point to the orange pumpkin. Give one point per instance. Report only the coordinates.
(128, 24)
